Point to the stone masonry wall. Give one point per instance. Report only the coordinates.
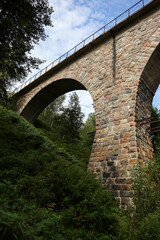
(144, 104)
(111, 72)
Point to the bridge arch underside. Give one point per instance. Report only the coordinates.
(148, 84)
(48, 94)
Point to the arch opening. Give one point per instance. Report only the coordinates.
(148, 85)
(44, 98)
(48, 94)
(59, 130)
(71, 117)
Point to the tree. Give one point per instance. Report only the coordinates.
(72, 119)
(51, 112)
(155, 113)
(65, 121)
(91, 122)
(22, 25)
(88, 131)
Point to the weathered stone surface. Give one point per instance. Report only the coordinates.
(122, 95)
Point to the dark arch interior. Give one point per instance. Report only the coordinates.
(49, 93)
(151, 72)
(148, 84)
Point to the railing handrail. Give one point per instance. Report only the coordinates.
(83, 42)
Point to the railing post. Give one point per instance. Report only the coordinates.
(143, 2)
(128, 12)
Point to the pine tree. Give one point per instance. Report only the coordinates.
(72, 118)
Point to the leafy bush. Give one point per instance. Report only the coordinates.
(146, 186)
(145, 223)
(148, 228)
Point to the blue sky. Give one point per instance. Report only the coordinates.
(73, 21)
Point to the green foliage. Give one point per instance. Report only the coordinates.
(148, 228)
(20, 219)
(78, 153)
(88, 211)
(22, 25)
(88, 131)
(44, 194)
(62, 130)
(65, 121)
(50, 113)
(145, 223)
(146, 186)
(155, 113)
(71, 119)
(91, 121)
(57, 122)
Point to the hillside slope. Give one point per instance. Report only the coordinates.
(44, 194)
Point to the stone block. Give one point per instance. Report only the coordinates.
(125, 194)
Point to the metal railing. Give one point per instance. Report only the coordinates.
(154, 125)
(126, 14)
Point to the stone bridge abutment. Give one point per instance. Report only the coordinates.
(121, 71)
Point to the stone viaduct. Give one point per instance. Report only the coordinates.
(121, 71)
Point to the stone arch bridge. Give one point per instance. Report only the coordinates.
(121, 71)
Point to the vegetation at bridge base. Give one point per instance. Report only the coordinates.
(46, 194)
(145, 223)
(155, 113)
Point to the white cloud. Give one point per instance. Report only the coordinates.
(86, 102)
(71, 25)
